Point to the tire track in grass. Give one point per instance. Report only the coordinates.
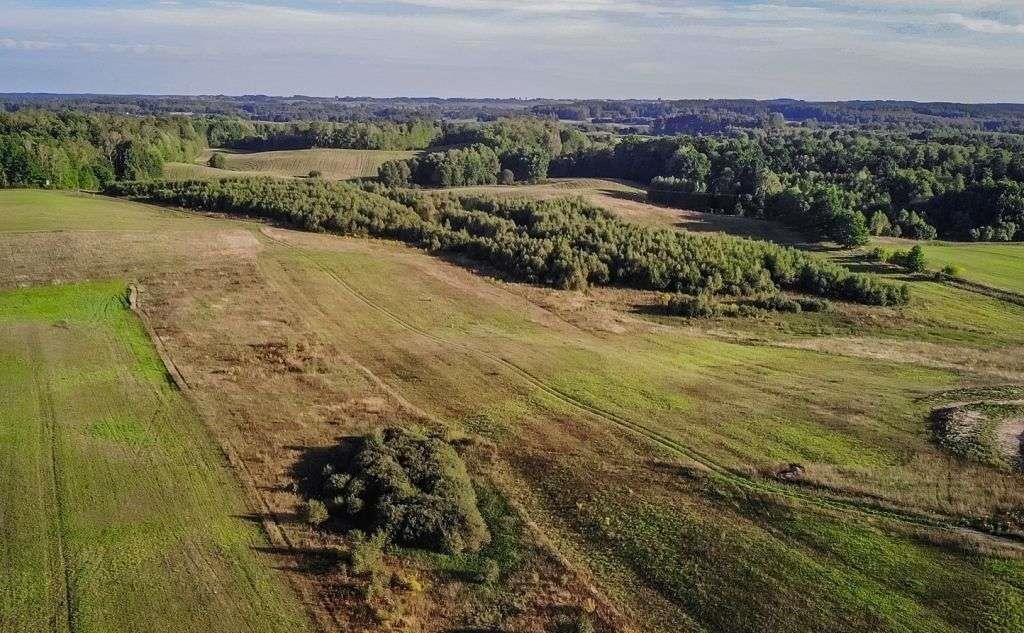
(65, 620)
(588, 583)
(905, 516)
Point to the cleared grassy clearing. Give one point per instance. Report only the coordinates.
(333, 164)
(995, 264)
(119, 514)
(629, 202)
(748, 406)
(195, 171)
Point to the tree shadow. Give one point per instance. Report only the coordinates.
(859, 264)
(309, 469)
(309, 560)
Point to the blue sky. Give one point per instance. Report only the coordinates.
(970, 50)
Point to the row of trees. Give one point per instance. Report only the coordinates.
(839, 185)
(382, 135)
(565, 243)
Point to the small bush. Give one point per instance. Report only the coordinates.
(315, 173)
(367, 555)
(218, 160)
(776, 303)
(879, 254)
(699, 307)
(913, 259)
(574, 624)
(407, 582)
(811, 304)
(315, 512)
(952, 270)
(507, 177)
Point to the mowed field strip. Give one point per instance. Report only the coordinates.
(333, 164)
(117, 512)
(995, 264)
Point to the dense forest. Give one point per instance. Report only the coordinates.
(840, 185)
(72, 150)
(566, 243)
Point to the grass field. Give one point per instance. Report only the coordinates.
(118, 512)
(999, 265)
(643, 448)
(334, 164)
(28, 210)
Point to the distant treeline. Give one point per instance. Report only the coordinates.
(837, 185)
(85, 151)
(565, 243)
(665, 116)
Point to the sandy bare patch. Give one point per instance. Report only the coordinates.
(1011, 438)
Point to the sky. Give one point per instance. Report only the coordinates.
(926, 50)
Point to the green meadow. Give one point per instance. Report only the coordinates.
(119, 514)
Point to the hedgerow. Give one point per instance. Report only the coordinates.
(567, 243)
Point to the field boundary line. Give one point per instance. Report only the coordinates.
(992, 292)
(900, 515)
(275, 534)
(49, 413)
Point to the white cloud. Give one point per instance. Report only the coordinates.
(983, 25)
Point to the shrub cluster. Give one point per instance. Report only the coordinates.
(413, 488)
(505, 151)
(473, 165)
(912, 259)
(218, 161)
(703, 306)
(566, 243)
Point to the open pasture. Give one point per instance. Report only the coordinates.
(119, 513)
(996, 264)
(333, 164)
(646, 449)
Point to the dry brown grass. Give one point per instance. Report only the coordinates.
(291, 340)
(333, 164)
